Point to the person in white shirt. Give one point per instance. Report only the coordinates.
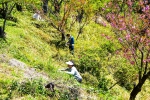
(73, 71)
(37, 15)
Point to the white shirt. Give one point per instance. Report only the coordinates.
(37, 16)
(73, 71)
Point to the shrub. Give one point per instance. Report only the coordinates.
(125, 76)
(109, 47)
(103, 83)
(7, 88)
(90, 79)
(89, 64)
(33, 88)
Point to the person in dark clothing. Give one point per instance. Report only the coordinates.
(70, 43)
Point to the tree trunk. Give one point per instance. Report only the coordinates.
(80, 15)
(62, 36)
(2, 33)
(4, 23)
(5, 6)
(138, 87)
(56, 6)
(113, 85)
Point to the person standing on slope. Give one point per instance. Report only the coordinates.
(70, 43)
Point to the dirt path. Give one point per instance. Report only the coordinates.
(28, 72)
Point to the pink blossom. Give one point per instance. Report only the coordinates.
(108, 16)
(148, 41)
(103, 9)
(113, 16)
(113, 25)
(120, 20)
(108, 37)
(127, 36)
(104, 24)
(141, 39)
(148, 60)
(117, 52)
(144, 61)
(136, 37)
(145, 1)
(102, 34)
(133, 27)
(128, 56)
(133, 50)
(143, 9)
(141, 2)
(129, 3)
(142, 16)
(132, 62)
(120, 39)
(122, 28)
(147, 31)
(147, 7)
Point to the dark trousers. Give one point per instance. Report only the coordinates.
(71, 48)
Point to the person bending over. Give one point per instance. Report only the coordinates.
(73, 71)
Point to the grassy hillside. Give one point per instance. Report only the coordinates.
(40, 48)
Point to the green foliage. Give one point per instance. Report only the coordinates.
(58, 44)
(4, 43)
(41, 48)
(92, 59)
(14, 85)
(7, 88)
(14, 88)
(90, 79)
(103, 83)
(88, 63)
(64, 96)
(33, 88)
(98, 4)
(108, 47)
(126, 76)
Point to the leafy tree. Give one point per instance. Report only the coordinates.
(7, 7)
(59, 20)
(133, 31)
(64, 14)
(83, 12)
(69, 11)
(86, 10)
(57, 4)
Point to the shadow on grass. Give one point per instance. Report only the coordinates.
(58, 44)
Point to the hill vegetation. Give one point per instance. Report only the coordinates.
(39, 49)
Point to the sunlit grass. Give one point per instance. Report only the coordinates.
(33, 46)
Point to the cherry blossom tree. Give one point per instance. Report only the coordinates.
(130, 20)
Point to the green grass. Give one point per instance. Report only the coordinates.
(37, 48)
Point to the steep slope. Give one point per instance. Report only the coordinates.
(27, 44)
(42, 54)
